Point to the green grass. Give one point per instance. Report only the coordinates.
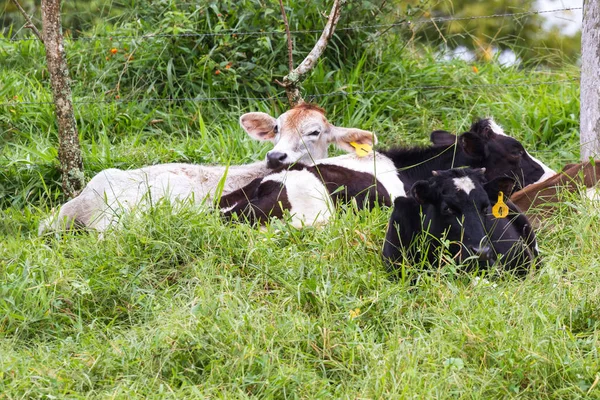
(174, 305)
(186, 305)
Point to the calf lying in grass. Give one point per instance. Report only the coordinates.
(300, 134)
(451, 212)
(538, 200)
(310, 193)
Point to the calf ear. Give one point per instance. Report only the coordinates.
(503, 184)
(473, 145)
(259, 125)
(420, 191)
(484, 128)
(342, 137)
(442, 138)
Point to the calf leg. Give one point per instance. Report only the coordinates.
(404, 226)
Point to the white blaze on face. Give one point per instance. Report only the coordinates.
(464, 183)
(548, 172)
(497, 129)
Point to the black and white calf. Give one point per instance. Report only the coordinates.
(454, 207)
(310, 193)
(510, 152)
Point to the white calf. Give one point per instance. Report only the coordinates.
(300, 134)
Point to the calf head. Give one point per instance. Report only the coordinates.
(301, 134)
(501, 155)
(456, 205)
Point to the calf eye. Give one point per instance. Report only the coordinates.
(484, 209)
(518, 153)
(276, 129)
(314, 133)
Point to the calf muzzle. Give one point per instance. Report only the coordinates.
(483, 253)
(275, 159)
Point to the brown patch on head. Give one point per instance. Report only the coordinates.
(309, 106)
(300, 111)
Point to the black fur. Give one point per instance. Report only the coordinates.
(438, 210)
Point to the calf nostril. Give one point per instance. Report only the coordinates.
(275, 158)
(484, 253)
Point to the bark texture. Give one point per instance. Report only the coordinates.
(69, 151)
(289, 37)
(590, 81)
(291, 82)
(29, 24)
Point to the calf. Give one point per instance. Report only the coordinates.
(537, 200)
(300, 134)
(508, 153)
(454, 206)
(310, 192)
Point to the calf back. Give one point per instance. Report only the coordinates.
(537, 200)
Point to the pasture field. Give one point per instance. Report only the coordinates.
(187, 305)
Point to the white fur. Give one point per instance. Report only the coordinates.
(309, 199)
(381, 167)
(301, 146)
(464, 183)
(497, 129)
(593, 193)
(548, 172)
(113, 191)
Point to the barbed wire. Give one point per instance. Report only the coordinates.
(232, 32)
(281, 96)
(97, 164)
(432, 87)
(149, 99)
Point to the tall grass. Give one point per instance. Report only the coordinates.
(174, 305)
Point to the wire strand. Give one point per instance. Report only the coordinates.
(314, 96)
(306, 31)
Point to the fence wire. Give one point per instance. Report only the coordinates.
(296, 32)
(281, 96)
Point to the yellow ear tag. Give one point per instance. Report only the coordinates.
(361, 149)
(500, 209)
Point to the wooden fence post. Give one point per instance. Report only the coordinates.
(590, 81)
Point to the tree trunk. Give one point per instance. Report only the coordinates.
(590, 81)
(69, 152)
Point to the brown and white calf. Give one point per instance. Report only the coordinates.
(310, 193)
(537, 200)
(301, 134)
